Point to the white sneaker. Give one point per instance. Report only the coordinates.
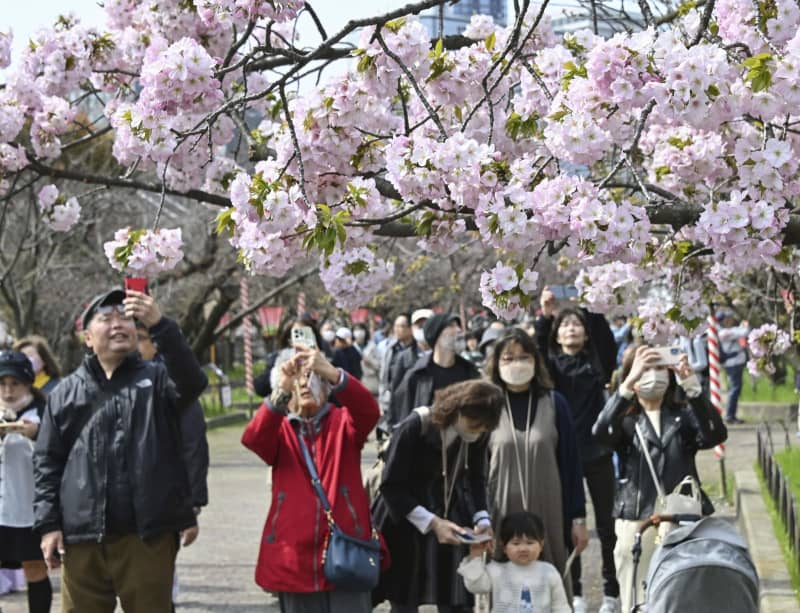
(610, 605)
(578, 604)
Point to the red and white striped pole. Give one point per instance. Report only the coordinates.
(714, 367)
(244, 301)
(301, 304)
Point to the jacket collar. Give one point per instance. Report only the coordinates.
(95, 372)
(670, 424)
(312, 424)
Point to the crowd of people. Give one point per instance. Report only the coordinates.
(489, 437)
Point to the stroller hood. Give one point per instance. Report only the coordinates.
(702, 567)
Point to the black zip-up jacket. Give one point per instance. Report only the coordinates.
(127, 425)
(418, 386)
(684, 431)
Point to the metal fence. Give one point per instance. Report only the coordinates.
(778, 483)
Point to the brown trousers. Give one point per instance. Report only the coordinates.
(138, 572)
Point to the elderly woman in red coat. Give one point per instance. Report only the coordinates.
(290, 559)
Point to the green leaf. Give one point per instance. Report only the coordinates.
(356, 268)
(712, 91)
(686, 7)
(680, 143)
(225, 221)
(491, 41)
(559, 115)
(395, 25)
(439, 48)
(662, 171)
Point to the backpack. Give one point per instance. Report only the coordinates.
(373, 475)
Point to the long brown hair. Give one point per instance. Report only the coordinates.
(50, 365)
(669, 402)
(477, 399)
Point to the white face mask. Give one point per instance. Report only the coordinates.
(20, 403)
(517, 373)
(359, 335)
(652, 384)
(419, 335)
(328, 336)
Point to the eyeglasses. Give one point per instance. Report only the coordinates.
(508, 358)
(106, 312)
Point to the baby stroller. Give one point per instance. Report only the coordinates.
(701, 566)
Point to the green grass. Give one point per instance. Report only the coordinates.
(765, 391)
(781, 534)
(789, 461)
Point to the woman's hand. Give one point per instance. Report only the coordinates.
(580, 537)
(446, 531)
(548, 302)
(29, 428)
(315, 360)
(645, 357)
(682, 368)
(288, 374)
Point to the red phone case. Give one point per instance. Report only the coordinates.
(137, 284)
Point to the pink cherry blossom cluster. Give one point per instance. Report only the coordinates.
(58, 213)
(144, 253)
(180, 79)
(611, 288)
(353, 277)
(764, 343)
(6, 38)
(507, 289)
(242, 11)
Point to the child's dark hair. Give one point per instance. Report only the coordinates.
(521, 524)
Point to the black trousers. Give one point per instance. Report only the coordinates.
(599, 476)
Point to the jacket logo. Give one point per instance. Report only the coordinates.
(144, 383)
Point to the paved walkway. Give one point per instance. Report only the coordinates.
(216, 573)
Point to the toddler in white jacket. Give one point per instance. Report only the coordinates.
(520, 583)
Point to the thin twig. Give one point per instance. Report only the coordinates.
(287, 114)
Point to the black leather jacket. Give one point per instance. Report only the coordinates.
(128, 424)
(684, 431)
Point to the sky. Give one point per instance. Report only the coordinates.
(24, 18)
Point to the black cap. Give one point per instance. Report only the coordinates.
(435, 324)
(16, 364)
(112, 296)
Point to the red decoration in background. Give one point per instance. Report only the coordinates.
(359, 316)
(270, 319)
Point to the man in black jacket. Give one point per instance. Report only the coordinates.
(434, 371)
(112, 491)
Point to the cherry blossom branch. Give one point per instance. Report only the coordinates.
(704, 21)
(108, 181)
(634, 143)
(431, 112)
(295, 142)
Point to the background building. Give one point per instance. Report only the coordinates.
(457, 16)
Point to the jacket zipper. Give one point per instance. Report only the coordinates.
(639, 489)
(346, 492)
(271, 537)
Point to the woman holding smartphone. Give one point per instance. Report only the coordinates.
(644, 410)
(433, 497)
(296, 530)
(21, 406)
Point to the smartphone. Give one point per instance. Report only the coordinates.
(564, 292)
(303, 338)
(670, 356)
(470, 538)
(137, 284)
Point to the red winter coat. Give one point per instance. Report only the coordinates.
(290, 558)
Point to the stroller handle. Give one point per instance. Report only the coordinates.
(674, 518)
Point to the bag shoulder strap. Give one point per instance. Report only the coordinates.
(646, 452)
(315, 480)
(425, 417)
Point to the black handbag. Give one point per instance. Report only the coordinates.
(349, 563)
